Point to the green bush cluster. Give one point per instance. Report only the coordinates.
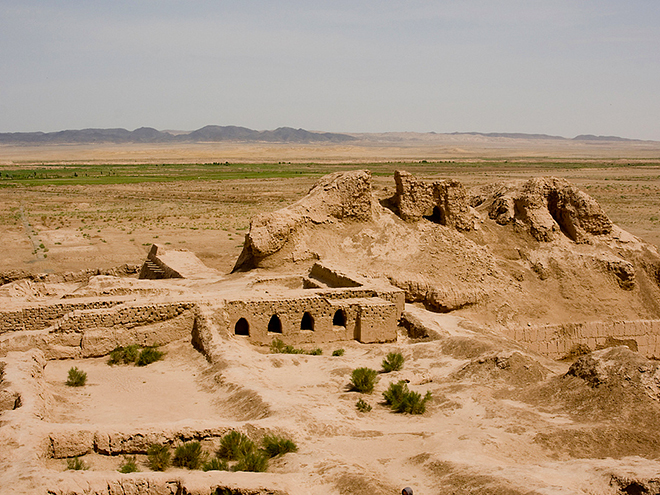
(279, 347)
(76, 464)
(338, 352)
(189, 455)
(393, 362)
(363, 380)
(402, 400)
(362, 406)
(158, 457)
(128, 465)
(134, 354)
(76, 378)
(235, 448)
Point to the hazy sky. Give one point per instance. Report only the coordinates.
(562, 67)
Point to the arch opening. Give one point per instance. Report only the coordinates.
(339, 319)
(242, 327)
(307, 322)
(275, 324)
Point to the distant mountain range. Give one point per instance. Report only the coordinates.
(518, 135)
(210, 133)
(216, 133)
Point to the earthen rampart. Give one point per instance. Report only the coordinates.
(558, 341)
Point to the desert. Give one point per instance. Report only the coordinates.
(518, 278)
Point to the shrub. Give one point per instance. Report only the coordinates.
(215, 465)
(256, 462)
(128, 465)
(279, 347)
(149, 355)
(158, 457)
(189, 455)
(362, 406)
(125, 355)
(363, 380)
(338, 352)
(76, 464)
(393, 362)
(275, 446)
(77, 378)
(234, 446)
(315, 352)
(400, 399)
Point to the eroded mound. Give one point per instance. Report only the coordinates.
(513, 253)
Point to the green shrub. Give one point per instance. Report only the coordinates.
(393, 362)
(128, 465)
(256, 462)
(363, 380)
(315, 352)
(149, 355)
(279, 347)
(215, 465)
(362, 406)
(189, 455)
(338, 352)
(275, 446)
(158, 457)
(124, 355)
(77, 378)
(76, 464)
(402, 400)
(234, 446)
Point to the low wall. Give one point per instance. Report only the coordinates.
(40, 317)
(557, 341)
(93, 333)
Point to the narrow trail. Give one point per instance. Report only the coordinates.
(37, 245)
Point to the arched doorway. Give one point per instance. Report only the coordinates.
(307, 322)
(242, 327)
(275, 324)
(339, 319)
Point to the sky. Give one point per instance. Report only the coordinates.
(559, 67)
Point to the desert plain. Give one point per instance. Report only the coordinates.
(505, 417)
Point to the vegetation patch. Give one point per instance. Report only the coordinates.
(76, 464)
(402, 400)
(134, 354)
(279, 347)
(77, 378)
(128, 465)
(256, 462)
(234, 446)
(215, 464)
(362, 406)
(338, 352)
(189, 455)
(158, 457)
(276, 446)
(393, 362)
(363, 380)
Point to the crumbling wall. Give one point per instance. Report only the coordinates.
(558, 341)
(95, 332)
(43, 316)
(368, 319)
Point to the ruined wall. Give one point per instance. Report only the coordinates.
(40, 317)
(556, 341)
(366, 319)
(96, 332)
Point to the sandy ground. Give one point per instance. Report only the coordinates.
(477, 435)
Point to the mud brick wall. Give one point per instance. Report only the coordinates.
(556, 341)
(40, 317)
(365, 319)
(290, 312)
(126, 316)
(377, 322)
(393, 295)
